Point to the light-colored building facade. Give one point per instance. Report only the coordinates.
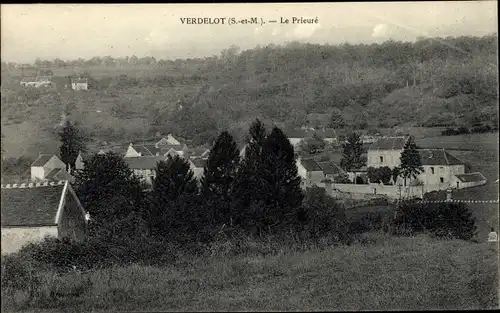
(386, 152)
(48, 167)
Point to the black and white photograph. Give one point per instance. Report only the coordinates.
(333, 156)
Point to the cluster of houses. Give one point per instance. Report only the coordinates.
(75, 83)
(47, 204)
(441, 171)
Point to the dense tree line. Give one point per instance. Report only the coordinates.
(448, 82)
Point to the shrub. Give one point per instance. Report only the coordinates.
(376, 175)
(452, 220)
(18, 273)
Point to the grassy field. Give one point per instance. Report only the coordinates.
(392, 274)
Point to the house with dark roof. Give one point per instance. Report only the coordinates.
(440, 167)
(331, 170)
(32, 211)
(386, 151)
(144, 166)
(49, 167)
(310, 172)
(138, 150)
(468, 180)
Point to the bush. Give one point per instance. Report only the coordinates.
(376, 175)
(451, 220)
(18, 274)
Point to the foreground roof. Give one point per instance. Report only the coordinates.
(31, 204)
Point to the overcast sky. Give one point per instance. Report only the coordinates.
(71, 31)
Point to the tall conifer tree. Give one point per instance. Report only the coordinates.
(219, 177)
(281, 190)
(411, 163)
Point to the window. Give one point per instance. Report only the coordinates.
(381, 159)
(432, 170)
(441, 179)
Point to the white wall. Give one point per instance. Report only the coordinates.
(131, 153)
(13, 238)
(37, 173)
(391, 158)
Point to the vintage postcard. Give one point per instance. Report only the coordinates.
(249, 157)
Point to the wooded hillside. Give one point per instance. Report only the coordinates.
(433, 82)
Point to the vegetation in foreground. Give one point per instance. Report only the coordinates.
(377, 273)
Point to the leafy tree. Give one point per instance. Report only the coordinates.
(72, 143)
(395, 173)
(282, 192)
(352, 155)
(219, 176)
(110, 192)
(248, 184)
(376, 175)
(452, 220)
(322, 215)
(313, 145)
(411, 163)
(174, 179)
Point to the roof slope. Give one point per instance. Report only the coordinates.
(144, 162)
(35, 206)
(389, 143)
(311, 165)
(330, 167)
(438, 157)
(199, 163)
(42, 159)
(471, 177)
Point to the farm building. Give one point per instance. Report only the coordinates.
(468, 180)
(32, 211)
(144, 167)
(49, 167)
(79, 83)
(36, 81)
(332, 171)
(310, 172)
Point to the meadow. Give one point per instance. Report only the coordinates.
(377, 273)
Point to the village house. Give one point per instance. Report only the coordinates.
(36, 81)
(440, 168)
(48, 167)
(468, 180)
(297, 136)
(169, 140)
(310, 172)
(332, 171)
(197, 166)
(138, 150)
(144, 167)
(79, 83)
(386, 152)
(32, 211)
